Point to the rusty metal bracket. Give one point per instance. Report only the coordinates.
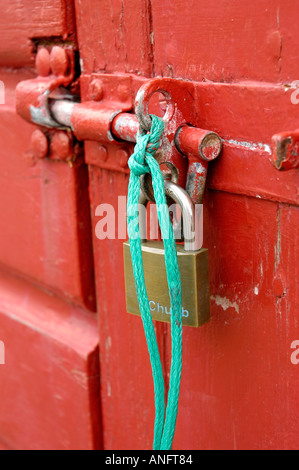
(285, 150)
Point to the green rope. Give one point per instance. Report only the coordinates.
(142, 161)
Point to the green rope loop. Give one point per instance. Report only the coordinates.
(142, 161)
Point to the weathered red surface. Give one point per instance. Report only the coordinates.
(123, 36)
(55, 68)
(127, 387)
(199, 142)
(49, 386)
(238, 388)
(243, 393)
(238, 385)
(226, 41)
(45, 222)
(49, 394)
(24, 21)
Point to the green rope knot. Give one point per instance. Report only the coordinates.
(147, 145)
(142, 161)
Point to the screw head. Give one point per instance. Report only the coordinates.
(102, 153)
(39, 144)
(61, 145)
(122, 157)
(42, 62)
(59, 61)
(96, 90)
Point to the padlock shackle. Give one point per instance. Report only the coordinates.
(182, 198)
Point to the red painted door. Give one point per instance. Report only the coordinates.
(49, 385)
(239, 383)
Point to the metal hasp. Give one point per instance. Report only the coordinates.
(200, 146)
(108, 121)
(285, 150)
(107, 118)
(104, 123)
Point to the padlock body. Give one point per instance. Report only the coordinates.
(194, 270)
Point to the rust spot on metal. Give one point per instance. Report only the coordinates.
(282, 152)
(285, 150)
(198, 142)
(279, 286)
(32, 96)
(211, 146)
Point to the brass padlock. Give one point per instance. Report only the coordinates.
(193, 265)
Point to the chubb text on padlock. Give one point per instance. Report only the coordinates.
(157, 307)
